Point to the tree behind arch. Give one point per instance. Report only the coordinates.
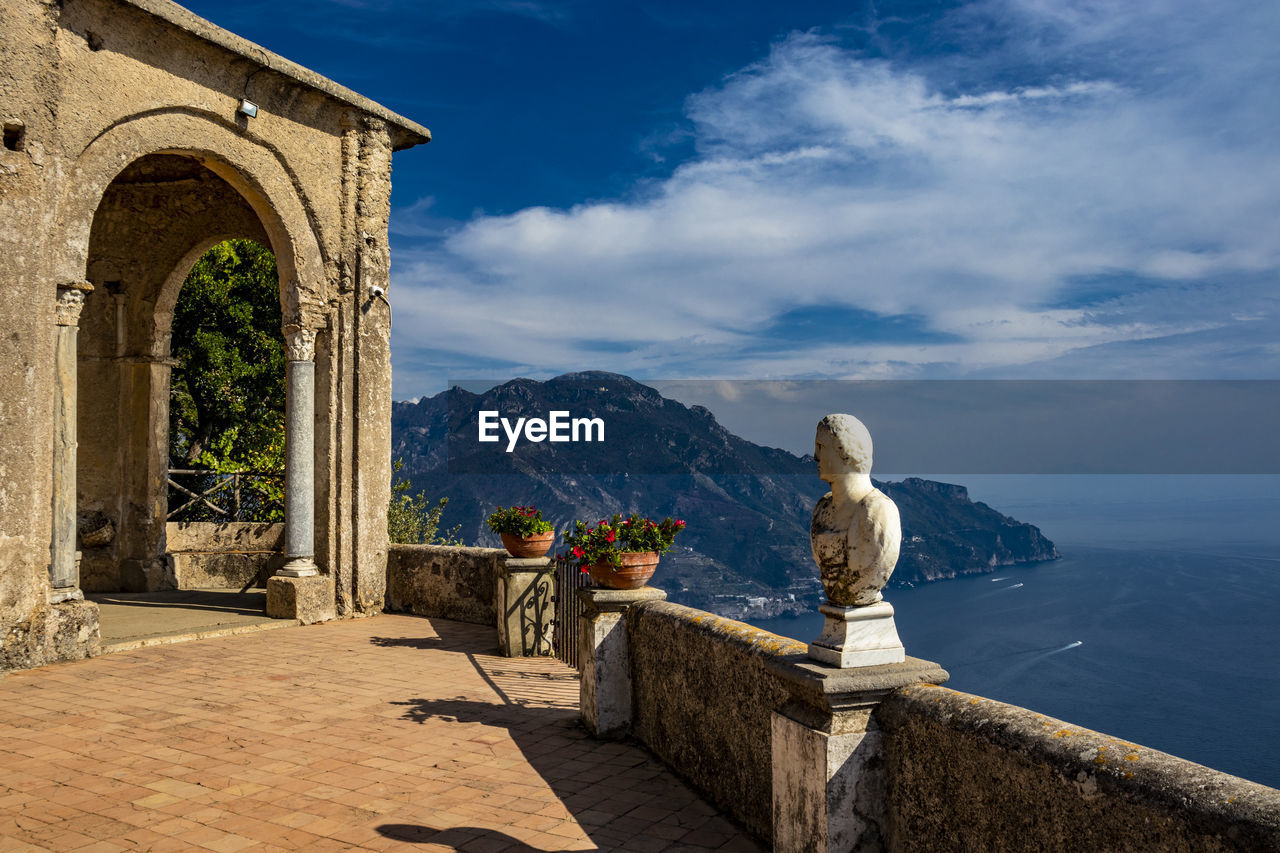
(227, 391)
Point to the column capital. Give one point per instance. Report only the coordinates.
(70, 301)
(300, 344)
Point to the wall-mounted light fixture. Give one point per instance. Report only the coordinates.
(248, 108)
(377, 291)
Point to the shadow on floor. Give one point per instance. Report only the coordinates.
(128, 616)
(456, 837)
(408, 642)
(221, 600)
(621, 796)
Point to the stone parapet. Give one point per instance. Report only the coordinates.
(831, 690)
(444, 581)
(879, 757)
(222, 536)
(967, 773)
(827, 753)
(225, 570)
(703, 699)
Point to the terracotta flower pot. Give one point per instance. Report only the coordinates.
(636, 569)
(528, 546)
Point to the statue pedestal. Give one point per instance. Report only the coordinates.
(827, 753)
(864, 635)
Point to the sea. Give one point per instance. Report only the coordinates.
(1160, 624)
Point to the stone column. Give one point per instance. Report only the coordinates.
(298, 590)
(300, 443)
(828, 784)
(526, 608)
(604, 697)
(64, 569)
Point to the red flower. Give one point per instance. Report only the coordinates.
(612, 536)
(577, 551)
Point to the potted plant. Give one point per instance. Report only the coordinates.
(524, 532)
(621, 553)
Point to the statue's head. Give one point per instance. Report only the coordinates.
(842, 442)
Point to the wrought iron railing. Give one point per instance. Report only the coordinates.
(568, 625)
(224, 496)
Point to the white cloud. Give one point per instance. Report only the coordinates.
(825, 178)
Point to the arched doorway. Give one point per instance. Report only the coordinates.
(155, 220)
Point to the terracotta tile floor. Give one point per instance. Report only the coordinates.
(373, 734)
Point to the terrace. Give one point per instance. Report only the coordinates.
(451, 726)
(365, 734)
(444, 723)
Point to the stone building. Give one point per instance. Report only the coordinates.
(137, 136)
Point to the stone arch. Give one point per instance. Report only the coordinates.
(152, 219)
(171, 289)
(258, 172)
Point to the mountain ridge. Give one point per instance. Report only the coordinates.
(747, 506)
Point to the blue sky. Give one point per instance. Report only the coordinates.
(1004, 188)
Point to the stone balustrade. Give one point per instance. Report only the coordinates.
(925, 767)
(484, 586)
(949, 771)
(967, 773)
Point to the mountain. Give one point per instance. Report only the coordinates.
(747, 506)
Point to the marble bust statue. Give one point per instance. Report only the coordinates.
(855, 532)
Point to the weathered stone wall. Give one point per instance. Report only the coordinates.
(224, 570)
(703, 702)
(966, 773)
(444, 581)
(961, 772)
(372, 393)
(60, 632)
(221, 554)
(213, 536)
(27, 44)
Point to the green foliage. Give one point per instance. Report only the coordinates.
(227, 389)
(605, 542)
(413, 519)
(227, 392)
(519, 521)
